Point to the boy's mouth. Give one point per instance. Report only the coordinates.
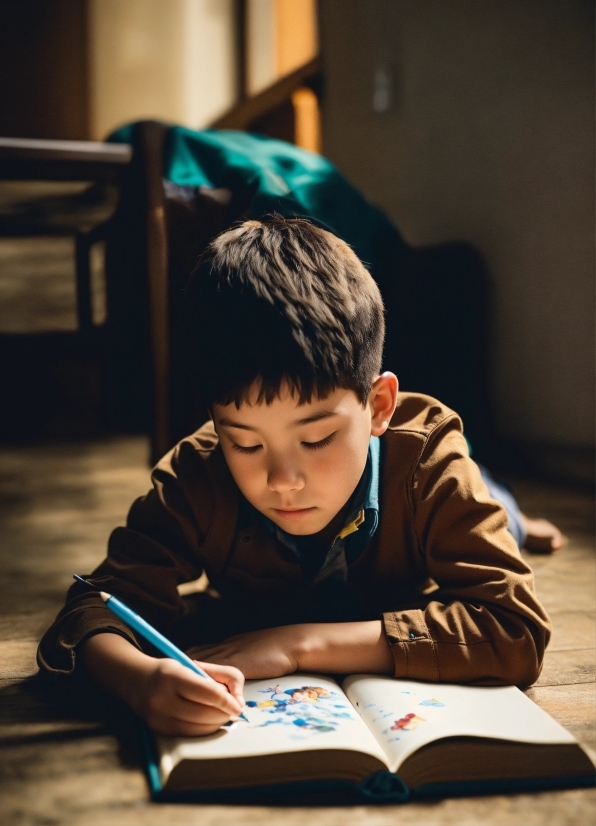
(293, 513)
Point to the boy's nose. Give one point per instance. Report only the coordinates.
(284, 477)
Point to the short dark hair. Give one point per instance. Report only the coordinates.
(281, 300)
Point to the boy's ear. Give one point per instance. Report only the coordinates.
(383, 401)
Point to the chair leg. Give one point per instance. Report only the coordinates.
(157, 271)
(151, 137)
(83, 245)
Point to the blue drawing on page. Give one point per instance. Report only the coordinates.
(307, 708)
(432, 702)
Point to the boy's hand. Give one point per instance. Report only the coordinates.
(174, 701)
(258, 654)
(337, 647)
(168, 696)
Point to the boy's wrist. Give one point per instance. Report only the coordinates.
(308, 645)
(342, 647)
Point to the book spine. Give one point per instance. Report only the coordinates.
(470, 788)
(151, 761)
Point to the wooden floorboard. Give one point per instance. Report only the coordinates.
(58, 765)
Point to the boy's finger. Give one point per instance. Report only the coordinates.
(231, 677)
(187, 711)
(181, 728)
(211, 652)
(196, 651)
(207, 692)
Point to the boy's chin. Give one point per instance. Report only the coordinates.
(295, 530)
(301, 525)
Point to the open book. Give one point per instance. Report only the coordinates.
(433, 738)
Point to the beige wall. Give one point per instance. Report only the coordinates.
(483, 131)
(167, 59)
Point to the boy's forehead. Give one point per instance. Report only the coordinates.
(286, 408)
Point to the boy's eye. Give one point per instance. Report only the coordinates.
(241, 449)
(317, 445)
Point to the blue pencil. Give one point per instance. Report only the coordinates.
(137, 623)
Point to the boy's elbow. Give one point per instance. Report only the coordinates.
(525, 674)
(522, 661)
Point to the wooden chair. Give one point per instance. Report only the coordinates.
(25, 159)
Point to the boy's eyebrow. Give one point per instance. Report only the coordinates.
(229, 423)
(316, 417)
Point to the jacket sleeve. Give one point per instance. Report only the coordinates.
(158, 549)
(484, 624)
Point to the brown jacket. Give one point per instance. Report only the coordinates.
(483, 623)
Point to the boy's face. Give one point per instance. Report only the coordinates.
(299, 464)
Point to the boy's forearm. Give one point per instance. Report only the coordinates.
(332, 647)
(344, 647)
(114, 664)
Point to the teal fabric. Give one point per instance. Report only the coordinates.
(276, 176)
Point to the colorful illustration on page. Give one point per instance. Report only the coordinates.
(308, 708)
(407, 723)
(432, 702)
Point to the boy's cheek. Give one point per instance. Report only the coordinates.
(244, 473)
(253, 485)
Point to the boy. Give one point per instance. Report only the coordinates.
(343, 524)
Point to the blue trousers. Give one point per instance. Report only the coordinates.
(501, 492)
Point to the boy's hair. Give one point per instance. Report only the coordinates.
(281, 300)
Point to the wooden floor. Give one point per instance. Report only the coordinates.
(58, 504)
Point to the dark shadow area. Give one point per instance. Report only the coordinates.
(52, 387)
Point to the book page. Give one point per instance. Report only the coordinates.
(300, 712)
(405, 715)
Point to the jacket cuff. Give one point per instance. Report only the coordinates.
(412, 647)
(56, 654)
